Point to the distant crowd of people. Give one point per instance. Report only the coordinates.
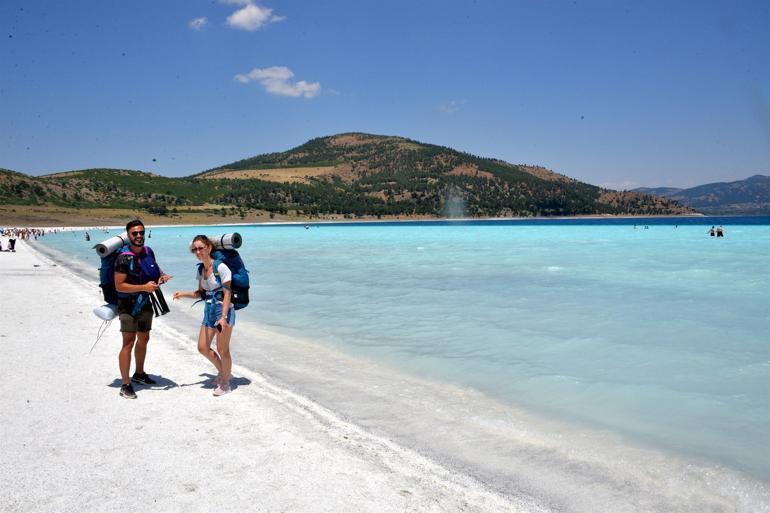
(9, 236)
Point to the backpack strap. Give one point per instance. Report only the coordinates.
(215, 269)
(216, 274)
(150, 253)
(202, 275)
(141, 299)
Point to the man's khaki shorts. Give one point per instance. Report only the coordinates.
(140, 323)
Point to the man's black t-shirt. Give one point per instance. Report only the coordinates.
(129, 264)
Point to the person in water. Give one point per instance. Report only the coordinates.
(712, 231)
(137, 275)
(720, 231)
(218, 311)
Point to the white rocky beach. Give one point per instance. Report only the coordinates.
(70, 443)
(308, 428)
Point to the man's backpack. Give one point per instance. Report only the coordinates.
(107, 277)
(239, 286)
(107, 273)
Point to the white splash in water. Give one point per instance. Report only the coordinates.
(454, 205)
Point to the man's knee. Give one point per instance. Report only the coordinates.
(128, 341)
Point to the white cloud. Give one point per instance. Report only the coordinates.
(198, 23)
(626, 185)
(451, 106)
(251, 17)
(275, 80)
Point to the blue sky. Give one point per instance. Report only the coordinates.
(620, 94)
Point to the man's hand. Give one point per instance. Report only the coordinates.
(164, 278)
(151, 286)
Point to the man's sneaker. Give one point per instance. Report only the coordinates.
(143, 379)
(127, 391)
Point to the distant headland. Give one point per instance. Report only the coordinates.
(742, 197)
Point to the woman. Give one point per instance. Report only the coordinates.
(218, 313)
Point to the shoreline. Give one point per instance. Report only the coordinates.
(72, 444)
(311, 223)
(59, 217)
(548, 453)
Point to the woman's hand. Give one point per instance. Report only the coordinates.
(195, 294)
(223, 322)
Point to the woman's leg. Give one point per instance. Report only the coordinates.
(205, 336)
(223, 348)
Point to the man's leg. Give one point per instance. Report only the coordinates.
(140, 351)
(124, 358)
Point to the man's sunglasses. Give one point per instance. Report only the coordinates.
(137, 233)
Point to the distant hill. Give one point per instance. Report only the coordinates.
(349, 175)
(394, 175)
(750, 196)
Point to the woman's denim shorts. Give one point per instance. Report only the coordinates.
(212, 312)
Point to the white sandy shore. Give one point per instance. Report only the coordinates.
(70, 443)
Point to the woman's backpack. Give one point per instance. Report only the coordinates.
(239, 286)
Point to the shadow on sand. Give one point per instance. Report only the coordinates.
(162, 384)
(207, 381)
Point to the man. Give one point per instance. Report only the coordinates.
(137, 275)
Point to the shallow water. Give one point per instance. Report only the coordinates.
(656, 335)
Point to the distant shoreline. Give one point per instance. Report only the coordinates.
(59, 217)
(699, 220)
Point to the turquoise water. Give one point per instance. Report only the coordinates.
(659, 334)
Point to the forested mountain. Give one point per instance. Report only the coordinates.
(351, 175)
(749, 196)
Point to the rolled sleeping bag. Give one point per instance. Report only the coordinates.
(111, 245)
(226, 241)
(106, 312)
